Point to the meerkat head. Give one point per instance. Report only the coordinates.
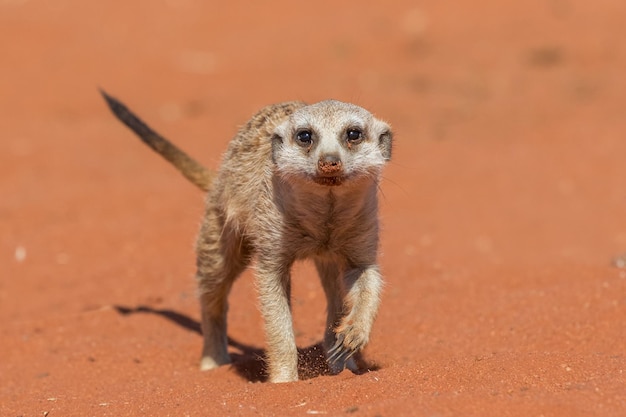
(331, 143)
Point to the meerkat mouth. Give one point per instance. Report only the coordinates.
(332, 181)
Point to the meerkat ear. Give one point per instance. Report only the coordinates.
(385, 137)
(278, 139)
(277, 144)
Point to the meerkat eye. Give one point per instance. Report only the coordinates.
(354, 136)
(304, 138)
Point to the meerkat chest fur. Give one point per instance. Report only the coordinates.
(327, 222)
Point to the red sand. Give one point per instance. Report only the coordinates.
(502, 209)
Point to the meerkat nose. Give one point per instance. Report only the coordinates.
(329, 164)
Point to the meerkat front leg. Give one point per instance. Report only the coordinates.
(274, 287)
(360, 306)
(330, 277)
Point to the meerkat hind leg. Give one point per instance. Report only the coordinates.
(221, 258)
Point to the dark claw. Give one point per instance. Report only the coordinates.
(339, 353)
(335, 352)
(338, 357)
(350, 354)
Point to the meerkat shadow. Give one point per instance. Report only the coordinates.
(249, 361)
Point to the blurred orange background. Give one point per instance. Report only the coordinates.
(502, 208)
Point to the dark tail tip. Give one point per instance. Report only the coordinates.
(191, 169)
(127, 117)
(116, 106)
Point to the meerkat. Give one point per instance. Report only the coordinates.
(297, 181)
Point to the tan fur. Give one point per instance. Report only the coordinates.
(279, 199)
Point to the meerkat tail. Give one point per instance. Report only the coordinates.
(190, 168)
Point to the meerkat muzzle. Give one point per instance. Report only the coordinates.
(330, 165)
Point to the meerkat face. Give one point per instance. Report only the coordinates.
(331, 143)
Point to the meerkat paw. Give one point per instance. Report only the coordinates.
(349, 340)
(208, 363)
(339, 364)
(283, 377)
(283, 368)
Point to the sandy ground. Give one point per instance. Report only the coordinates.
(502, 209)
